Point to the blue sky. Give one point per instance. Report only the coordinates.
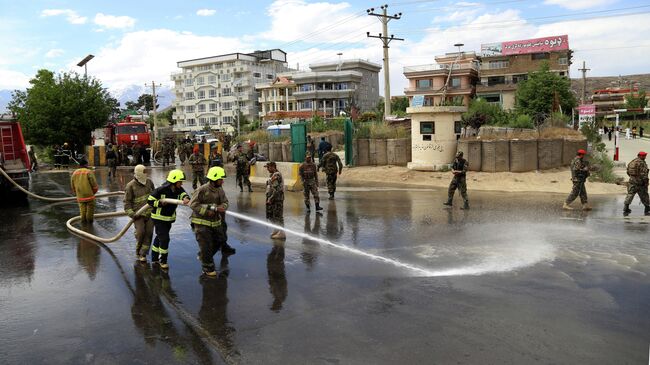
(140, 41)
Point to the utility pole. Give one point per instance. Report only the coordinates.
(155, 99)
(584, 70)
(384, 18)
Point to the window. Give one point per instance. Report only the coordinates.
(226, 106)
(562, 61)
(227, 120)
(189, 82)
(455, 82)
(306, 104)
(242, 104)
(257, 75)
(457, 127)
(496, 80)
(226, 92)
(225, 78)
(202, 121)
(200, 80)
(190, 121)
(539, 56)
(341, 86)
(212, 79)
(189, 109)
(218, 65)
(131, 129)
(213, 120)
(200, 94)
(213, 107)
(423, 84)
(269, 77)
(427, 127)
(306, 87)
(189, 95)
(494, 99)
(212, 93)
(498, 64)
(201, 108)
(519, 78)
(230, 64)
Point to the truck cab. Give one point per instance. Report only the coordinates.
(13, 157)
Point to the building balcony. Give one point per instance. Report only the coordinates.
(323, 94)
(438, 90)
(440, 68)
(507, 86)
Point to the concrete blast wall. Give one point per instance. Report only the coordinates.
(377, 152)
(264, 149)
(472, 152)
(363, 146)
(286, 152)
(495, 156)
(396, 151)
(523, 155)
(570, 149)
(275, 151)
(549, 153)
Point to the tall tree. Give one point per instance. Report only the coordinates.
(61, 108)
(636, 101)
(543, 88)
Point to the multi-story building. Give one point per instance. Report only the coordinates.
(505, 64)
(327, 89)
(216, 90)
(451, 81)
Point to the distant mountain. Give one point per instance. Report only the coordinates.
(129, 93)
(603, 82)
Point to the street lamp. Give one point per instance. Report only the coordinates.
(84, 62)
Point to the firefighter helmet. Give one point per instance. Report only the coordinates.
(215, 173)
(176, 176)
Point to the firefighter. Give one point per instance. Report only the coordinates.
(136, 193)
(163, 215)
(84, 186)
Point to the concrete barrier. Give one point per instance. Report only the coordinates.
(523, 155)
(396, 151)
(355, 152)
(264, 149)
(377, 152)
(96, 155)
(549, 153)
(472, 151)
(275, 151)
(363, 157)
(495, 156)
(286, 152)
(289, 170)
(570, 148)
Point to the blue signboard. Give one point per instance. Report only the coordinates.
(418, 100)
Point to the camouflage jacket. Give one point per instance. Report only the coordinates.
(579, 169)
(331, 163)
(637, 170)
(275, 187)
(135, 196)
(198, 162)
(308, 172)
(241, 161)
(460, 164)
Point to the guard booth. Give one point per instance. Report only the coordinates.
(298, 142)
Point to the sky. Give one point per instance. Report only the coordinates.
(137, 42)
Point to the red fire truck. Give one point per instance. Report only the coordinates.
(13, 157)
(129, 131)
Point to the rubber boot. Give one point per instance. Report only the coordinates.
(586, 207)
(645, 212)
(466, 205)
(318, 207)
(250, 190)
(308, 207)
(331, 196)
(241, 188)
(280, 236)
(226, 249)
(626, 210)
(448, 203)
(566, 206)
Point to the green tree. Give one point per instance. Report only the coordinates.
(398, 105)
(636, 101)
(542, 90)
(61, 108)
(167, 115)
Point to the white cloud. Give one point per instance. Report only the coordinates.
(206, 12)
(10, 80)
(112, 21)
(140, 57)
(578, 4)
(55, 52)
(71, 16)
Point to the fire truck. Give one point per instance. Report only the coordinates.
(13, 157)
(129, 131)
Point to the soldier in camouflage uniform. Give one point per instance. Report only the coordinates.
(275, 200)
(198, 162)
(331, 165)
(165, 152)
(309, 174)
(637, 170)
(459, 169)
(243, 169)
(181, 153)
(579, 174)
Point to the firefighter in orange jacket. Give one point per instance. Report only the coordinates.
(84, 186)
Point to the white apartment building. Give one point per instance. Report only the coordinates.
(213, 90)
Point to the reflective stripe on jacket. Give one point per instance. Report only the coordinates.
(166, 212)
(205, 196)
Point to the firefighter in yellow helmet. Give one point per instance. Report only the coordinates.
(209, 204)
(163, 215)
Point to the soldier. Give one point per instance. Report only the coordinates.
(32, 159)
(208, 204)
(331, 165)
(311, 146)
(637, 170)
(275, 200)
(137, 158)
(579, 174)
(309, 174)
(243, 169)
(459, 169)
(111, 160)
(215, 159)
(198, 163)
(165, 152)
(163, 214)
(181, 153)
(84, 186)
(124, 155)
(136, 193)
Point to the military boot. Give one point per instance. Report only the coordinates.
(448, 203)
(645, 212)
(466, 205)
(566, 207)
(308, 207)
(318, 207)
(241, 188)
(586, 206)
(250, 190)
(626, 210)
(331, 196)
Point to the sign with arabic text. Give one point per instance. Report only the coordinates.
(537, 45)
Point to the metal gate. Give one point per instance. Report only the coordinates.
(298, 142)
(349, 133)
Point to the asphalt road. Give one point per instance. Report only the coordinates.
(514, 280)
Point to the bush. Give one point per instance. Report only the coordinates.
(603, 168)
(367, 117)
(260, 136)
(380, 131)
(522, 121)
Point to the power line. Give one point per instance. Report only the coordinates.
(320, 30)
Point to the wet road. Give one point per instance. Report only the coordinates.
(512, 281)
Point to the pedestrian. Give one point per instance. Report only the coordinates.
(311, 146)
(275, 200)
(309, 174)
(137, 192)
(627, 133)
(163, 214)
(243, 167)
(198, 162)
(633, 132)
(459, 181)
(323, 147)
(579, 174)
(637, 170)
(84, 186)
(609, 133)
(32, 159)
(331, 165)
(111, 160)
(640, 132)
(208, 203)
